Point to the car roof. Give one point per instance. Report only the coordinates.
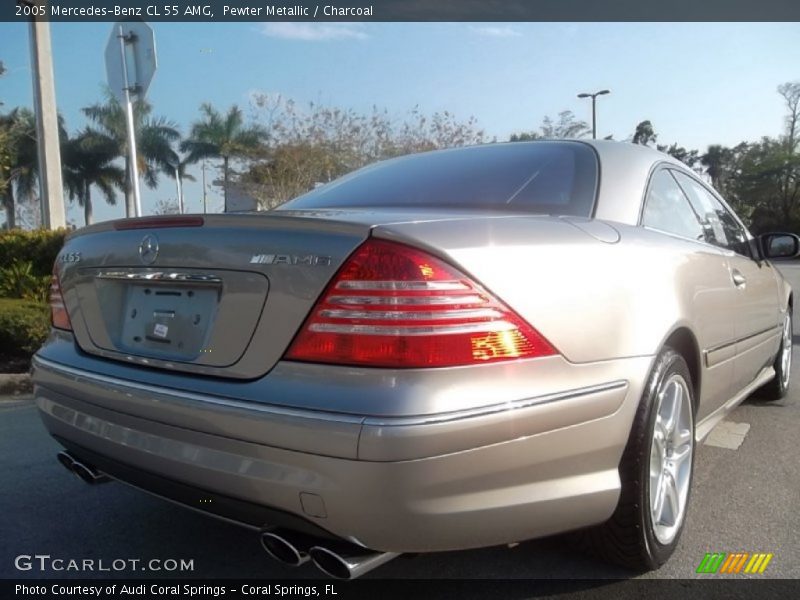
(625, 169)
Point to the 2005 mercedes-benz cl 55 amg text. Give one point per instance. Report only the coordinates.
(446, 350)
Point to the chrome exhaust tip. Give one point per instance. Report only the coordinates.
(282, 550)
(346, 565)
(66, 460)
(85, 472)
(89, 474)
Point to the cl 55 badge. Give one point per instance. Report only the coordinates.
(70, 257)
(290, 259)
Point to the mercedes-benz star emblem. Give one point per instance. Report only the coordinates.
(148, 249)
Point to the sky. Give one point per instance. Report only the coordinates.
(698, 83)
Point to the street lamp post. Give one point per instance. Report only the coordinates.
(205, 202)
(594, 113)
(179, 186)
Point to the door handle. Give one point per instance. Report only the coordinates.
(739, 280)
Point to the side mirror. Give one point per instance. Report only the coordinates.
(779, 245)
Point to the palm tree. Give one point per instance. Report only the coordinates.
(22, 160)
(6, 157)
(222, 136)
(715, 160)
(88, 160)
(154, 137)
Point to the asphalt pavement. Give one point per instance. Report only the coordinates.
(744, 500)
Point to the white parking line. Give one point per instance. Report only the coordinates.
(728, 435)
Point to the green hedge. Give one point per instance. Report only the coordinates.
(24, 326)
(19, 281)
(38, 247)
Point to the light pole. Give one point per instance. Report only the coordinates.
(594, 113)
(51, 193)
(179, 186)
(205, 202)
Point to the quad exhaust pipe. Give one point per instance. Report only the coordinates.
(348, 564)
(339, 560)
(84, 471)
(277, 546)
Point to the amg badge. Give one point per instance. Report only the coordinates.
(290, 259)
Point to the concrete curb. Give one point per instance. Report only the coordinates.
(15, 384)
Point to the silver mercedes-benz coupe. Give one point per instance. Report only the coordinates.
(446, 350)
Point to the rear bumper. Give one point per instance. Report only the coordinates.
(461, 479)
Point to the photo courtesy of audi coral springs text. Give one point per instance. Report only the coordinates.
(448, 350)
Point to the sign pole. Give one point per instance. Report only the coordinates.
(134, 169)
(130, 66)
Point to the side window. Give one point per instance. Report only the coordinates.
(721, 227)
(667, 209)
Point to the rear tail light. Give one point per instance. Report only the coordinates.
(391, 305)
(58, 311)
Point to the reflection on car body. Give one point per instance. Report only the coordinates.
(462, 348)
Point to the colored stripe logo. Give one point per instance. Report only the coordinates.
(734, 563)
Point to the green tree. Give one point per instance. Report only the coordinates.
(565, 127)
(760, 183)
(154, 139)
(791, 96)
(166, 207)
(315, 144)
(763, 178)
(2, 72)
(687, 157)
(790, 182)
(715, 160)
(644, 134)
(525, 136)
(88, 160)
(225, 137)
(5, 158)
(20, 161)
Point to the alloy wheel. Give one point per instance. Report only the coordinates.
(786, 351)
(671, 458)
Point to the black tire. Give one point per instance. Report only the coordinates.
(628, 538)
(779, 385)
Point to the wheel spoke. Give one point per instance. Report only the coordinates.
(683, 436)
(672, 498)
(660, 434)
(658, 500)
(786, 352)
(675, 408)
(679, 455)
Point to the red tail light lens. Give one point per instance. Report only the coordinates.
(58, 311)
(391, 305)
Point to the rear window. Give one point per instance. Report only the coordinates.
(557, 178)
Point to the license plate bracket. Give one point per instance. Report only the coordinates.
(168, 321)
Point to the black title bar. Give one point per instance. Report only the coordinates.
(400, 10)
(403, 589)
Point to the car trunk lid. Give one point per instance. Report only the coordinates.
(221, 295)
